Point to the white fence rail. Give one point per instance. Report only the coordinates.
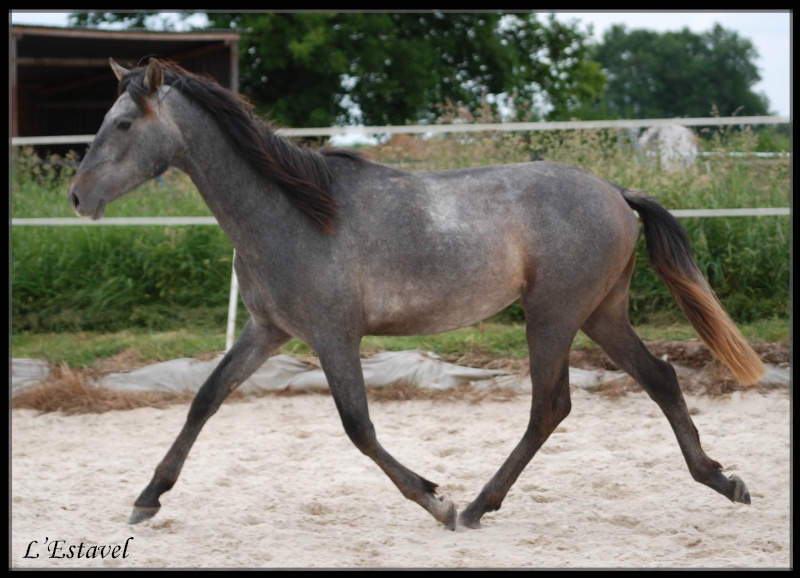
(465, 127)
(416, 129)
(178, 221)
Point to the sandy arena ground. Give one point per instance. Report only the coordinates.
(274, 482)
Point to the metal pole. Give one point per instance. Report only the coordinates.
(233, 301)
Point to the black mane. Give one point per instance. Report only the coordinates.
(303, 174)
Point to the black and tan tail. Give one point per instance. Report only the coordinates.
(673, 259)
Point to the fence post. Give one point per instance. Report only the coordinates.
(232, 303)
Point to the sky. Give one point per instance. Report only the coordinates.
(770, 32)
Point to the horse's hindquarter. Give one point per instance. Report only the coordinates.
(433, 251)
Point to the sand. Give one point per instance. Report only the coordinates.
(274, 482)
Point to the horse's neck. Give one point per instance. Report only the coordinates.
(241, 200)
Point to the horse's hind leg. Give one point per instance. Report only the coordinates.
(256, 343)
(549, 335)
(342, 366)
(609, 327)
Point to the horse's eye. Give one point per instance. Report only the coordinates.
(124, 124)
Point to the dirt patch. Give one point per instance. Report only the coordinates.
(71, 391)
(127, 360)
(698, 370)
(688, 354)
(483, 361)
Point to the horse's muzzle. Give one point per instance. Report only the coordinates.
(86, 209)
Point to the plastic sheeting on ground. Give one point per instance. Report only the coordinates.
(26, 372)
(283, 372)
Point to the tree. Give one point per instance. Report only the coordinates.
(148, 20)
(315, 69)
(678, 74)
(318, 69)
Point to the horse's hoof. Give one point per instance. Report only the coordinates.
(464, 521)
(141, 513)
(740, 493)
(447, 512)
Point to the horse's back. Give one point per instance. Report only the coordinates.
(544, 210)
(442, 249)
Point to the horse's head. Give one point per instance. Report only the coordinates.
(136, 142)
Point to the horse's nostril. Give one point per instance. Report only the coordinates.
(73, 198)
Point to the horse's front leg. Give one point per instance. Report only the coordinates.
(256, 343)
(341, 363)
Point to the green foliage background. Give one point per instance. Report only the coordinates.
(678, 74)
(111, 278)
(309, 69)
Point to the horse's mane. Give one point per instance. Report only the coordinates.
(303, 174)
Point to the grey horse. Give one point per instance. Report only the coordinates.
(331, 247)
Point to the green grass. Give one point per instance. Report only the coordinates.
(85, 348)
(500, 340)
(78, 278)
(37, 191)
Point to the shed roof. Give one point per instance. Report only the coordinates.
(50, 55)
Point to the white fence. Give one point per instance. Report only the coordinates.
(468, 127)
(418, 129)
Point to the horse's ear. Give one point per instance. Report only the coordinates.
(154, 76)
(119, 71)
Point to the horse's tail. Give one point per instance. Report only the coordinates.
(673, 259)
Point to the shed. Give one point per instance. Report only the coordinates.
(61, 82)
